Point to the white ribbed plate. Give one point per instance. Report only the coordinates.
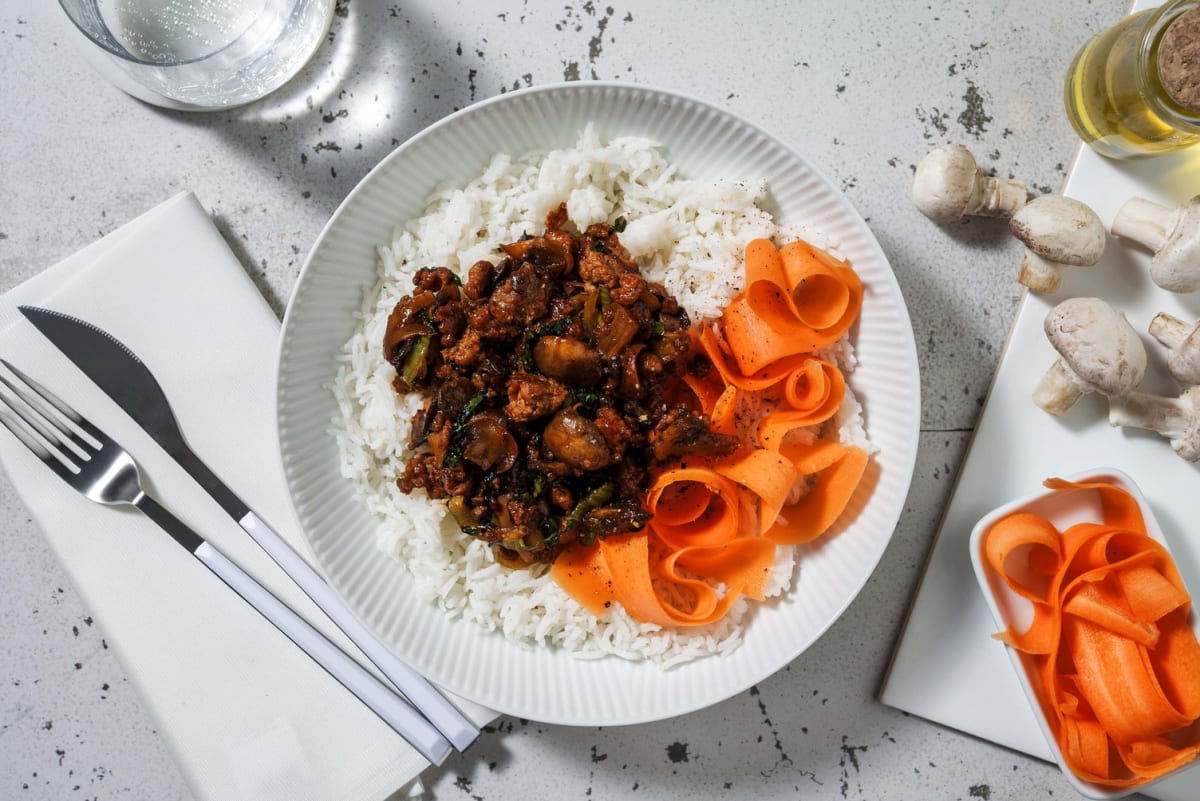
(540, 683)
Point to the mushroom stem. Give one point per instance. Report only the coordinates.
(1168, 330)
(1145, 222)
(1060, 389)
(1177, 419)
(1038, 274)
(1183, 341)
(996, 197)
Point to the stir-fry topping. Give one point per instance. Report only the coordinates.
(551, 381)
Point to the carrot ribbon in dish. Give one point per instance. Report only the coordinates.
(797, 299)
(716, 525)
(1111, 644)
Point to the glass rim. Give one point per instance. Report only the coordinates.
(76, 13)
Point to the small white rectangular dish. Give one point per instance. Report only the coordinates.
(1063, 509)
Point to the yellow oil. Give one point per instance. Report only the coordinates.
(1103, 100)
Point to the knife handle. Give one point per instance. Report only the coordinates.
(455, 726)
(392, 709)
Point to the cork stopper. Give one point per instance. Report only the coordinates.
(1179, 60)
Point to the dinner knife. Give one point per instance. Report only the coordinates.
(125, 378)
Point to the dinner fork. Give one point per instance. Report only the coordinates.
(97, 467)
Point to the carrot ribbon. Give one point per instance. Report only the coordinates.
(797, 299)
(1111, 645)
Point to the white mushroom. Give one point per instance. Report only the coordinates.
(1098, 352)
(1184, 343)
(1058, 232)
(1177, 419)
(949, 185)
(1172, 233)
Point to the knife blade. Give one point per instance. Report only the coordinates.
(125, 378)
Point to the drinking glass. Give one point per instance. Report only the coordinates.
(199, 54)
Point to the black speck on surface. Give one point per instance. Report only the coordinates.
(981, 791)
(598, 757)
(596, 43)
(934, 119)
(570, 70)
(974, 118)
(849, 759)
(678, 752)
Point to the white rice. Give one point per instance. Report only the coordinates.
(687, 234)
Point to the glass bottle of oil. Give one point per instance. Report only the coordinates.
(1116, 96)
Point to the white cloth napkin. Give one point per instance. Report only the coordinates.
(247, 715)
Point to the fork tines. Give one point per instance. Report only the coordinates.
(43, 422)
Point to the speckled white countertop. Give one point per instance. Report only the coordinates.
(862, 89)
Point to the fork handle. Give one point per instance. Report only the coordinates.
(455, 726)
(381, 699)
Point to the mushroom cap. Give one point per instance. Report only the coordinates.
(1098, 344)
(1061, 230)
(945, 181)
(1176, 265)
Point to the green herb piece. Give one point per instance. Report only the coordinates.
(588, 398)
(619, 225)
(550, 531)
(605, 296)
(600, 247)
(522, 545)
(415, 359)
(458, 432)
(595, 499)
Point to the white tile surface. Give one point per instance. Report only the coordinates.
(863, 89)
